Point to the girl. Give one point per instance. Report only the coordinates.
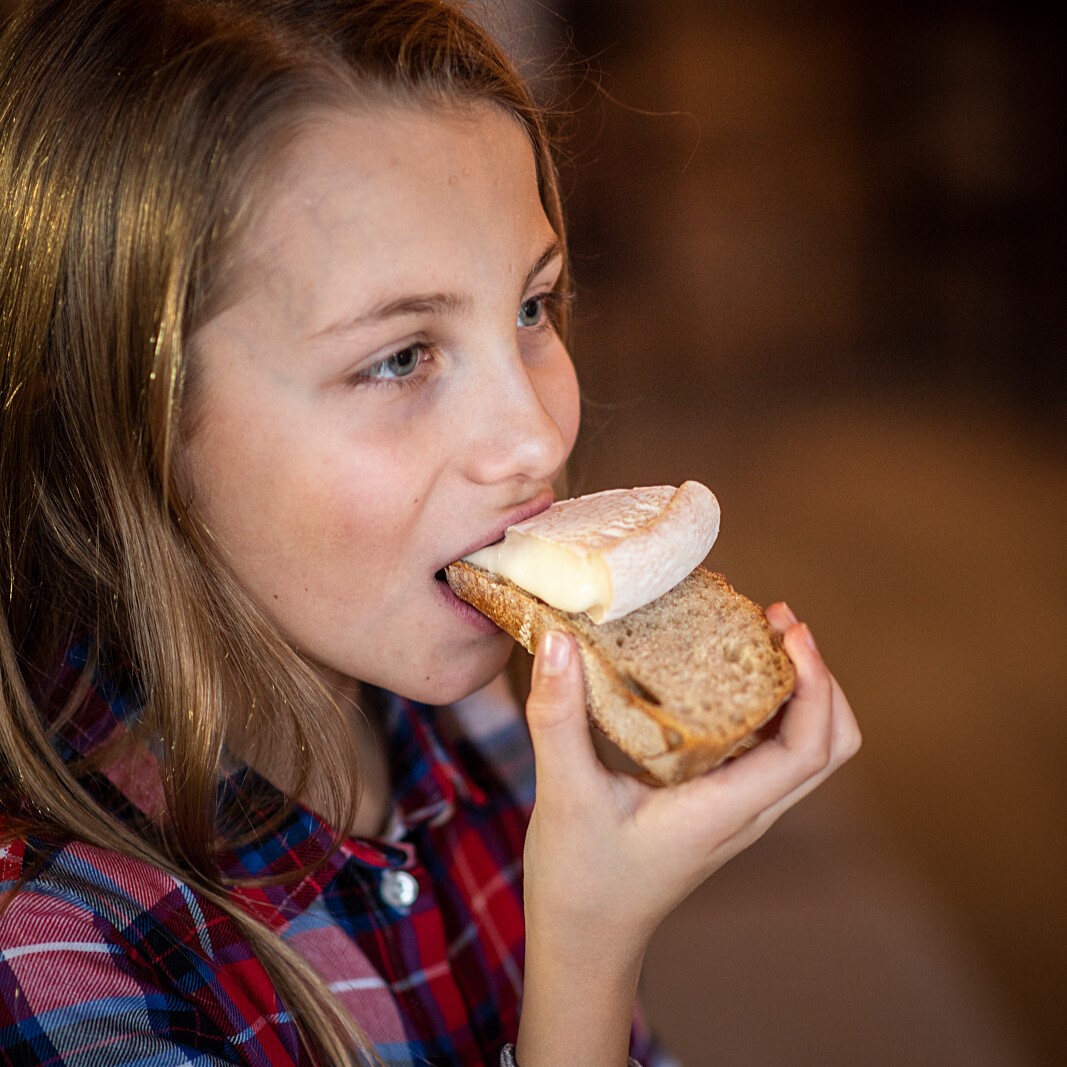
(284, 300)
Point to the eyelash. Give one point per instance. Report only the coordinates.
(372, 375)
(552, 304)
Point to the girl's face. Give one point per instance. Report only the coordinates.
(385, 392)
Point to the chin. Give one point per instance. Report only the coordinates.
(460, 677)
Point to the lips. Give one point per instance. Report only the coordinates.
(534, 506)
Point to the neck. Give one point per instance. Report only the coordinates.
(368, 730)
(323, 794)
(366, 719)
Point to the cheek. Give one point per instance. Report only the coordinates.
(361, 508)
(317, 538)
(562, 398)
(344, 508)
(280, 495)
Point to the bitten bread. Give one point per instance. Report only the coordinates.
(679, 684)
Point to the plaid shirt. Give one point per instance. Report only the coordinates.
(105, 960)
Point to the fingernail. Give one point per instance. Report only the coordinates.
(789, 611)
(553, 654)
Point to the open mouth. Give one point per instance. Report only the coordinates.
(440, 575)
(466, 611)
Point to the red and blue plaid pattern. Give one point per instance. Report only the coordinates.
(106, 960)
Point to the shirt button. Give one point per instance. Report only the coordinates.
(398, 889)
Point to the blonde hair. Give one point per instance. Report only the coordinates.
(131, 135)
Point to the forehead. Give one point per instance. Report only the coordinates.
(389, 170)
(359, 203)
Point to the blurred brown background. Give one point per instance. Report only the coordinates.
(819, 257)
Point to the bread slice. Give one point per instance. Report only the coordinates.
(679, 684)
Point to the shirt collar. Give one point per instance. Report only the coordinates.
(428, 778)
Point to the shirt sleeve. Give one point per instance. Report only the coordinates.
(107, 961)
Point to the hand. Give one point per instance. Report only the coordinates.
(608, 857)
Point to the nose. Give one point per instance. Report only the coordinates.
(524, 421)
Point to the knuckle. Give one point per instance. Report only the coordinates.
(546, 709)
(853, 740)
(816, 756)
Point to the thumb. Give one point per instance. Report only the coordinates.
(555, 711)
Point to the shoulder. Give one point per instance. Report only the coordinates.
(102, 950)
(76, 893)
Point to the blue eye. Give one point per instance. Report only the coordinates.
(400, 365)
(532, 311)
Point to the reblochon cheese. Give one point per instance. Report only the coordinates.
(608, 553)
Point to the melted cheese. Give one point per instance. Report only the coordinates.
(608, 553)
(566, 579)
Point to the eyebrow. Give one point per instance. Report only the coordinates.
(434, 303)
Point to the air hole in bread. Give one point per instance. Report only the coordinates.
(640, 690)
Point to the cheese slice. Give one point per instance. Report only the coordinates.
(608, 553)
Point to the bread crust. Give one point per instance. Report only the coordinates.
(679, 685)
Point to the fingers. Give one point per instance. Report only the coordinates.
(847, 736)
(817, 688)
(818, 729)
(555, 713)
(806, 726)
(815, 682)
(816, 734)
(780, 616)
